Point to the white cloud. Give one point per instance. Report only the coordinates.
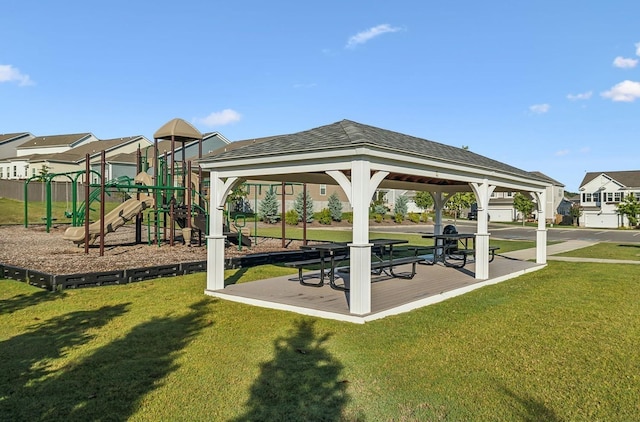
(581, 96)
(562, 152)
(624, 63)
(539, 108)
(8, 73)
(625, 91)
(220, 118)
(364, 36)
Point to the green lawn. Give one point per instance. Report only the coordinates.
(557, 344)
(608, 250)
(12, 211)
(345, 236)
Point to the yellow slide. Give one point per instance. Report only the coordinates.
(112, 221)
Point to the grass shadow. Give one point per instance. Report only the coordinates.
(532, 410)
(22, 301)
(106, 385)
(301, 383)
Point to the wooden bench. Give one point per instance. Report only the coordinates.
(300, 265)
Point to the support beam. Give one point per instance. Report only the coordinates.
(541, 232)
(482, 192)
(218, 192)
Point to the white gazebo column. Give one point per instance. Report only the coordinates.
(439, 200)
(362, 189)
(216, 239)
(483, 192)
(541, 232)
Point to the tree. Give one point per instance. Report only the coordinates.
(269, 208)
(631, 208)
(523, 205)
(335, 207)
(299, 206)
(575, 212)
(237, 197)
(43, 173)
(460, 201)
(400, 208)
(423, 200)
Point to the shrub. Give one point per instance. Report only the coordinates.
(378, 218)
(335, 207)
(269, 208)
(424, 217)
(380, 209)
(400, 207)
(291, 217)
(299, 205)
(414, 217)
(348, 216)
(398, 218)
(325, 216)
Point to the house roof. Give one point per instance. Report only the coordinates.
(79, 153)
(10, 137)
(629, 179)
(348, 134)
(54, 140)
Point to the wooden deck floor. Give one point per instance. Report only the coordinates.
(389, 296)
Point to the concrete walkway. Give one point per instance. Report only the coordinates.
(558, 248)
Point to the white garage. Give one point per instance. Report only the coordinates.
(601, 220)
(499, 214)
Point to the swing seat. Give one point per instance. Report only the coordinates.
(68, 214)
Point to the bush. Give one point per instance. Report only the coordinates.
(398, 218)
(424, 217)
(335, 207)
(380, 209)
(269, 208)
(291, 217)
(401, 207)
(325, 216)
(378, 218)
(348, 216)
(299, 206)
(414, 217)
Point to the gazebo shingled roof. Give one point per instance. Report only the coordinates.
(180, 129)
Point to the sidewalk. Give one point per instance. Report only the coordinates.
(527, 254)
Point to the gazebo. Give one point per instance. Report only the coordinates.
(360, 159)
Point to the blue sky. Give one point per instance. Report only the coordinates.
(543, 85)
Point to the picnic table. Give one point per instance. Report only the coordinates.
(332, 254)
(453, 249)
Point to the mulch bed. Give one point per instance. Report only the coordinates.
(35, 249)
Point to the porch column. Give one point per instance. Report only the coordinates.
(362, 189)
(541, 232)
(438, 205)
(482, 192)
(215, 238)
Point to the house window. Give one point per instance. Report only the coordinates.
(637, 194)
(509, 194)
(586, 197)
(15, 171)
(323, 190)
(608, 196)
(33, 171)
(596, 197)
(617, 196)
(0, 172)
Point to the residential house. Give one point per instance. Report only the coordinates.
(18, 166)
(601, 192)
(9, 142)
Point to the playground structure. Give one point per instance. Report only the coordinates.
(165, 192)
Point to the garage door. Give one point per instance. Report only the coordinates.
(602, 221)
(500, 214)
